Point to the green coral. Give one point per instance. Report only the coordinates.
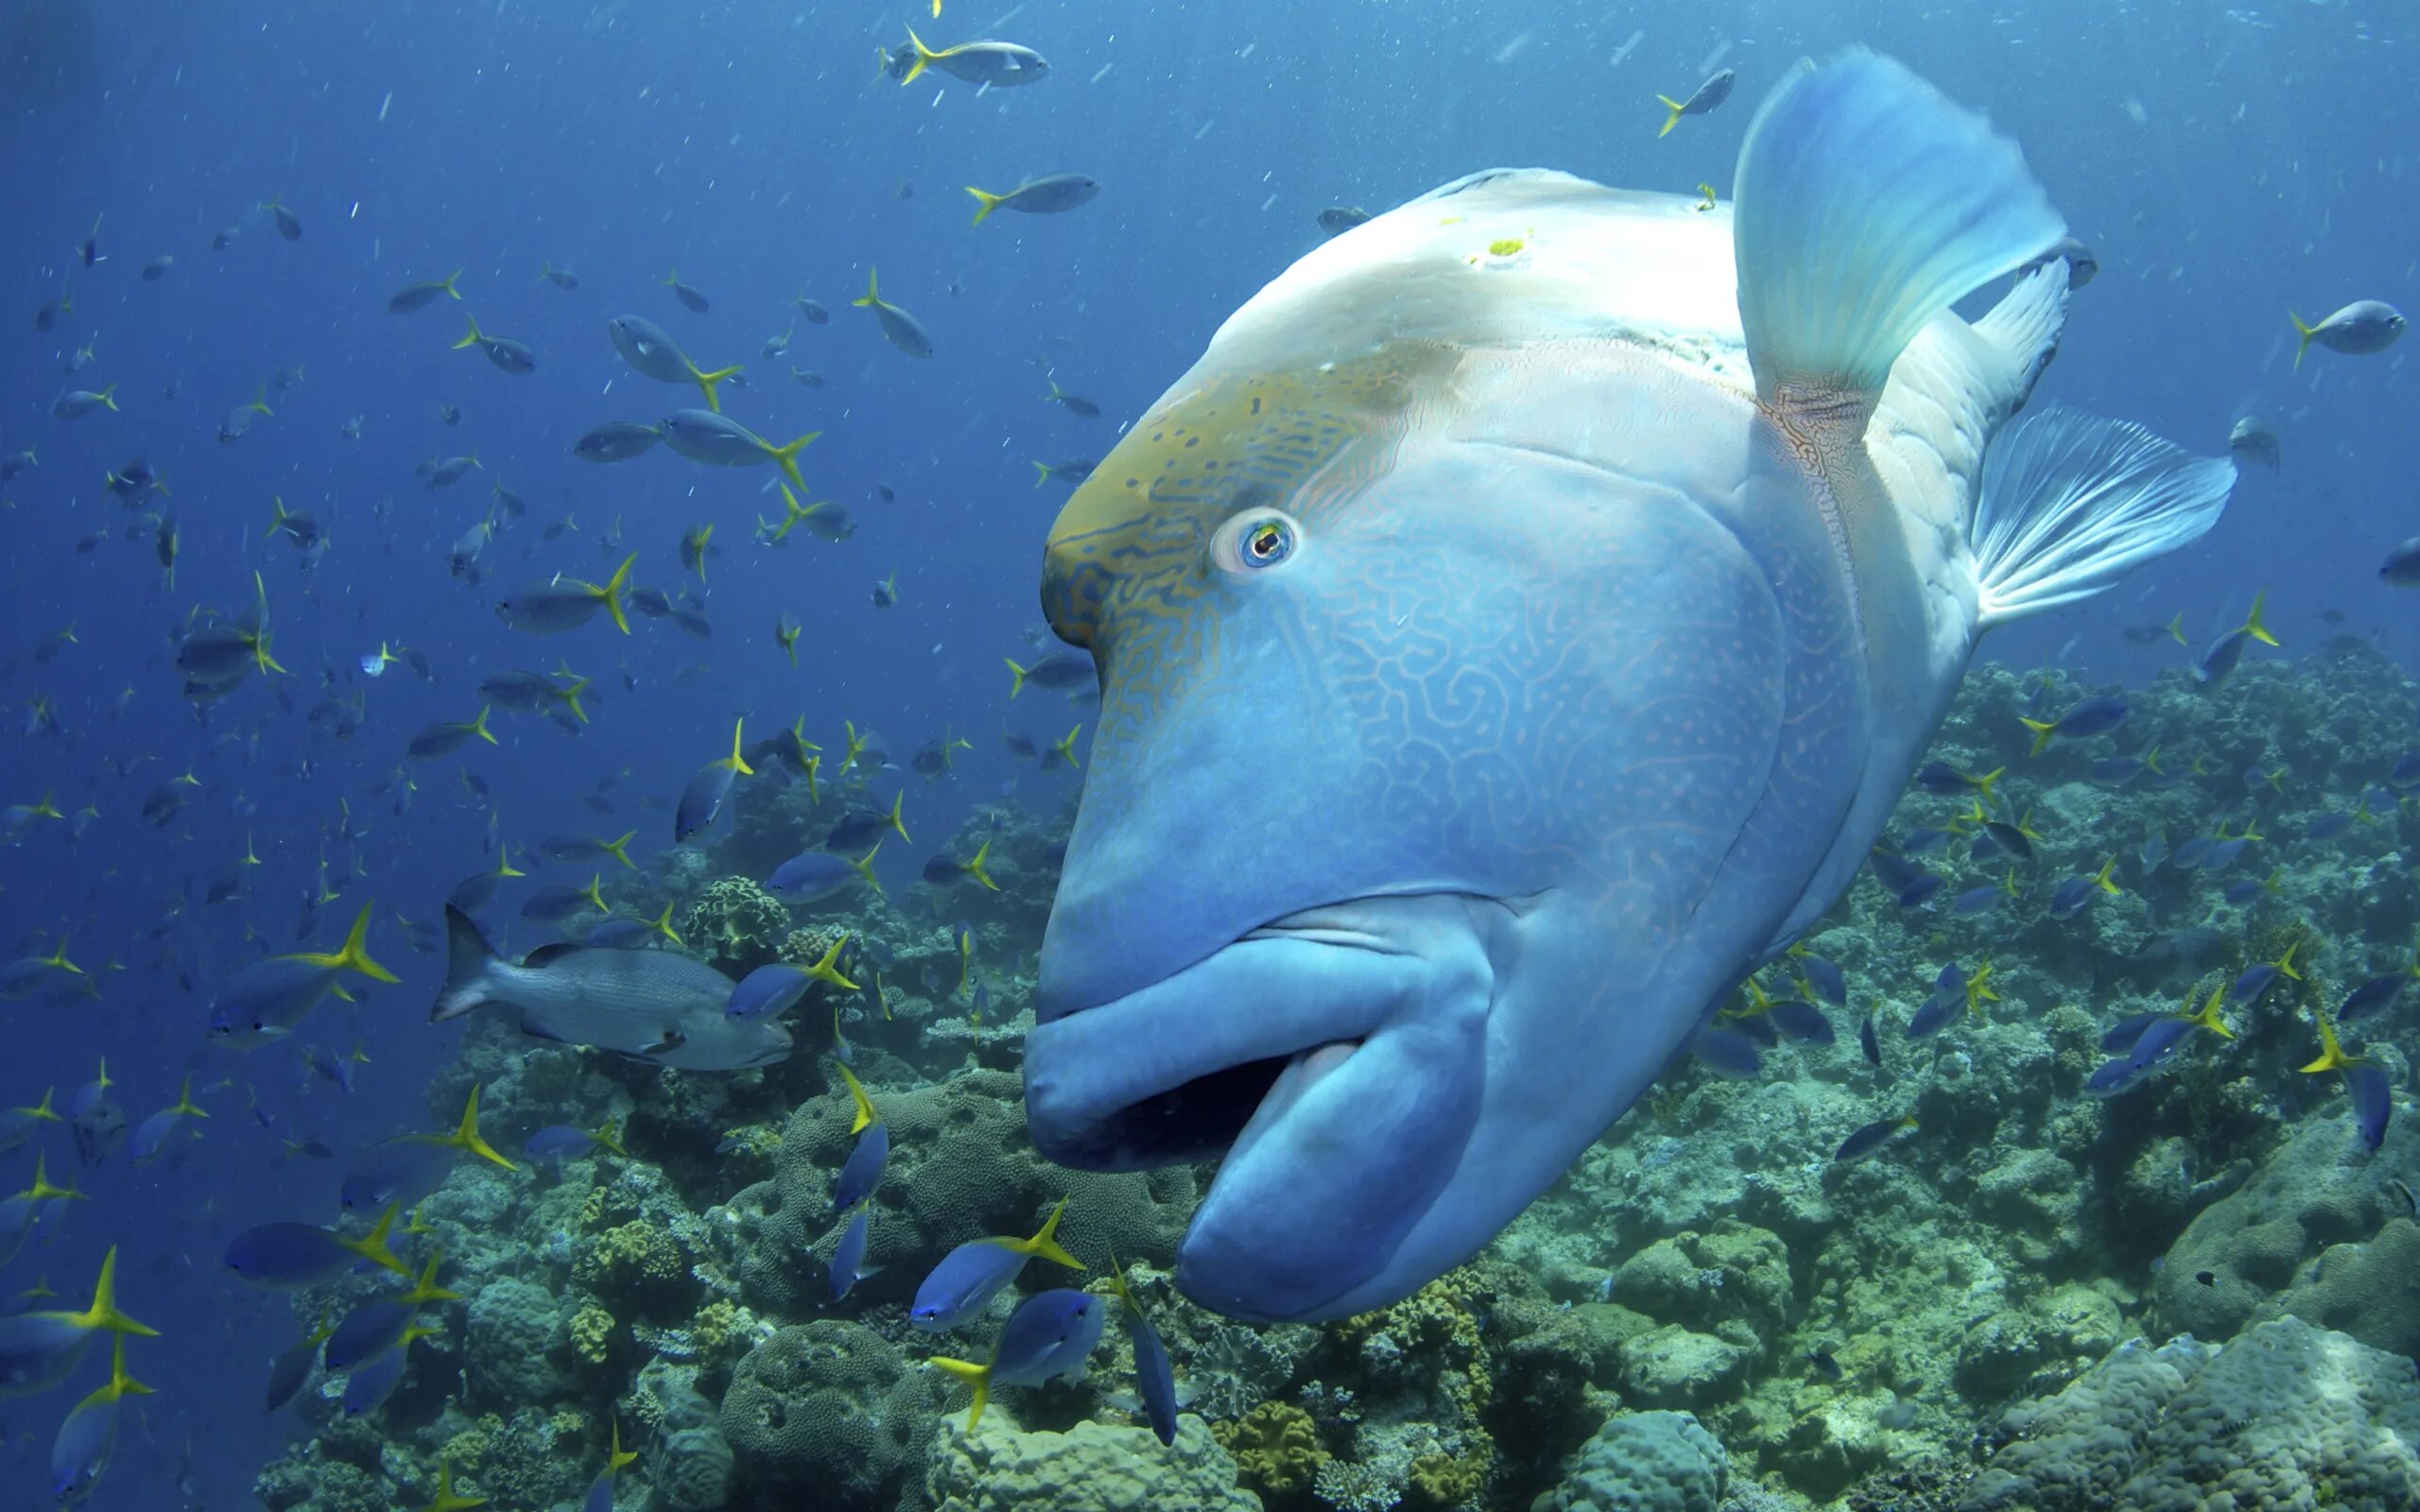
(1449, 1480)
(592, 1333)
(736, 924)
(1276, 1448)
(638, 1268)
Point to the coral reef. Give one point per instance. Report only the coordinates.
(1091, 1468)
(2286, 1416)
(829, 1409)
(1644, 1462)
(1711, 1310)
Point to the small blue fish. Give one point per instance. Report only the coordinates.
(2373, 1098)
(291, 1370)
(1924, 841)
(2372, 996)
(768, 992)
(2122, 1036)
(2151, 853)
(330, 1067)
(1868, 1042)
(2327, 825)
(970, 1275)
(2406, 771)
(1756, 1026)
(2070, 896)
(1975, 902)
(1728, 1053)
(367, 1389)
(289, 1257)
(80, 1453)
(2116, 771)
(2257, 978)
(2219, 658)
(2192, 854)
(1803, 1021)
(568, 1142)
(373, 1328)
(1893, 871)
(600, 1490)
(703, 799)
(1153, 1379)
(849, 1256)
(151, 1135)
(1827, 979)
(619, 934)
(1936, 1014)
(862, 1172)
(38, 1350)
(2094, 717)
(1050, 1334)
(819, 874)
(1919, 892)
(1870, 1139)
(1939, 777)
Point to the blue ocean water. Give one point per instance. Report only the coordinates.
(2225, 164)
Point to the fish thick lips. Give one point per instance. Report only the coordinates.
(1174, 1072)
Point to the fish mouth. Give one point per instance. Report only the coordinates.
(1334, 1057)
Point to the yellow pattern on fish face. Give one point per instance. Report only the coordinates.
(1127, 559)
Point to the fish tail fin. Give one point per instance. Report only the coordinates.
(787, 456)
(2071, 503)
(975, 867)
(707, 382)
(612, 594)
(2176, 628)
(2252, 622)
(119, 1385)
(923, 56)
(108, 397)
(570, 697)
(468, 955)
(1041, 474)
(449, 283)
(1045, 1242)
(977, 1376)
(2042, 732)
(353, 955)
(260, 402)
(372, 1247)
(865, 1115)
(104, 1313)
(1672, 110)
(479, 725)
(985, 204)
(466, 1134)
(1016, 673)
(738, 764)
(471, 337)
(873, 288)
(863, 866)
(1865, 204)
(617, 849)
(896, 822)
(2303, 335)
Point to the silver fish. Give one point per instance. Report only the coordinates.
(658, 1008)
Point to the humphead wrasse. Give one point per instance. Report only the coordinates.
(1515, 631)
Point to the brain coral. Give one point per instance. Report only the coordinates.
(1091, 1468)
(511, 1331)
(2286, 1416)
(830, 1413)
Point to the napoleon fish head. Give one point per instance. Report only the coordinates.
(1513, 631)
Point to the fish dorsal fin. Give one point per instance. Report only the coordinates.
(1867, 204)
(545, 954)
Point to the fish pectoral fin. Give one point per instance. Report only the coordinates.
(672, 1040)
(2070, 503)
(1866, 204)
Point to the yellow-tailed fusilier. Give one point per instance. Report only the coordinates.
(1515, 629)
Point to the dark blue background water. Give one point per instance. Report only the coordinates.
(2224, 165)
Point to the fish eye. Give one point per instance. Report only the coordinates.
(1255, 541)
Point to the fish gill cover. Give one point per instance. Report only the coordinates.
(529, 880)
